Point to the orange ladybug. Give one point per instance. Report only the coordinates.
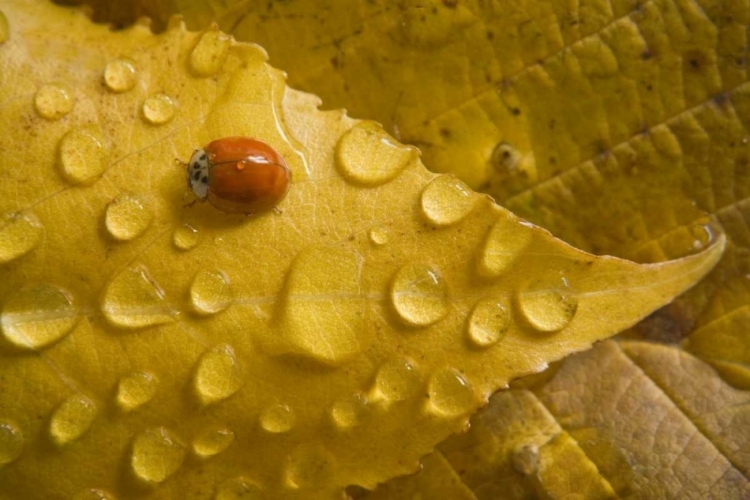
(239, 175)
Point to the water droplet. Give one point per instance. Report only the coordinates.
(185, 237)
(53, 102)
(378, 235)
(218, 375)
(309, 465)
(239, 488)
(120, 75)
(81, 155)
(446, 201)
(94, 494)
(507, 239)
(506, 158)
(127, 217)
(134, 300)
(20, 233)
(212, 442)
(419, 295)
(548, 306)
(37, 316)
(488, 322)
(350, 411)
(4, 28)
(209, 54)
(158, 109)
(72, 419)
(397, 379)
(135, 390)
(157, 454)
(367, 155)
(324, 283)
(210, 292)
(277, 419)
(450, 394)
(703, 236)
(526, 459)
(11, 441)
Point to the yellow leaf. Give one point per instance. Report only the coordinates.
(151, 348)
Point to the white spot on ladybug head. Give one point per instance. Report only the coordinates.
(197, 174)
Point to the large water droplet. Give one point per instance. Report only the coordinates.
(185, 237)
(309, 465)
(135, 390)
(323, 286)
(277, 419)
(53, 102)
(158, 109)
(350, 411)
(11, 441)
(208, 56)
(367, 155)
(37, 316)
(450, 394)
(120, 75)
(506, 241)
(157, 454)
(127, 217)
(134, 300)
(239, 488)
(378, 235)
(446, 201)
(19, 234)
(4, 28)
(81, 155)
(72, 419)
(396, 380)
(489, 322)
(218, 375)
(210, 292)
(419, 295)
(94, 494)
(548, 306)
(212, 441)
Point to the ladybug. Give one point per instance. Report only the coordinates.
(239, 175)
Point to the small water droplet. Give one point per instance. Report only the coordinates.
(72, 419)
(94, 494)
(81, 155)
(419, 295)
(319, 274)
(210, 292)
(20, 233)
(218, 375)
(208, 56)
(367, 155)
(38, 316)
(396, 380)
(4, 28)
(450, 394)
(703, 235)
(11, 441)
(350, 411)
(309, 465)
(185, 237)
(135, 390)
(157, 454)
(507, 239)
(120, 75)
(212, 442)
(53, 102)
(446, 201)
(239, 488)
(548, 306)
(378, 235)
(505, 158)
(277, 419)
(158, 109)
(134, 300)
(488, 322)
(526, 459)
(127, 217)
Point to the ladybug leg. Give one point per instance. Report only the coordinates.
(189, 205)
(278, 210)
(180, 163)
